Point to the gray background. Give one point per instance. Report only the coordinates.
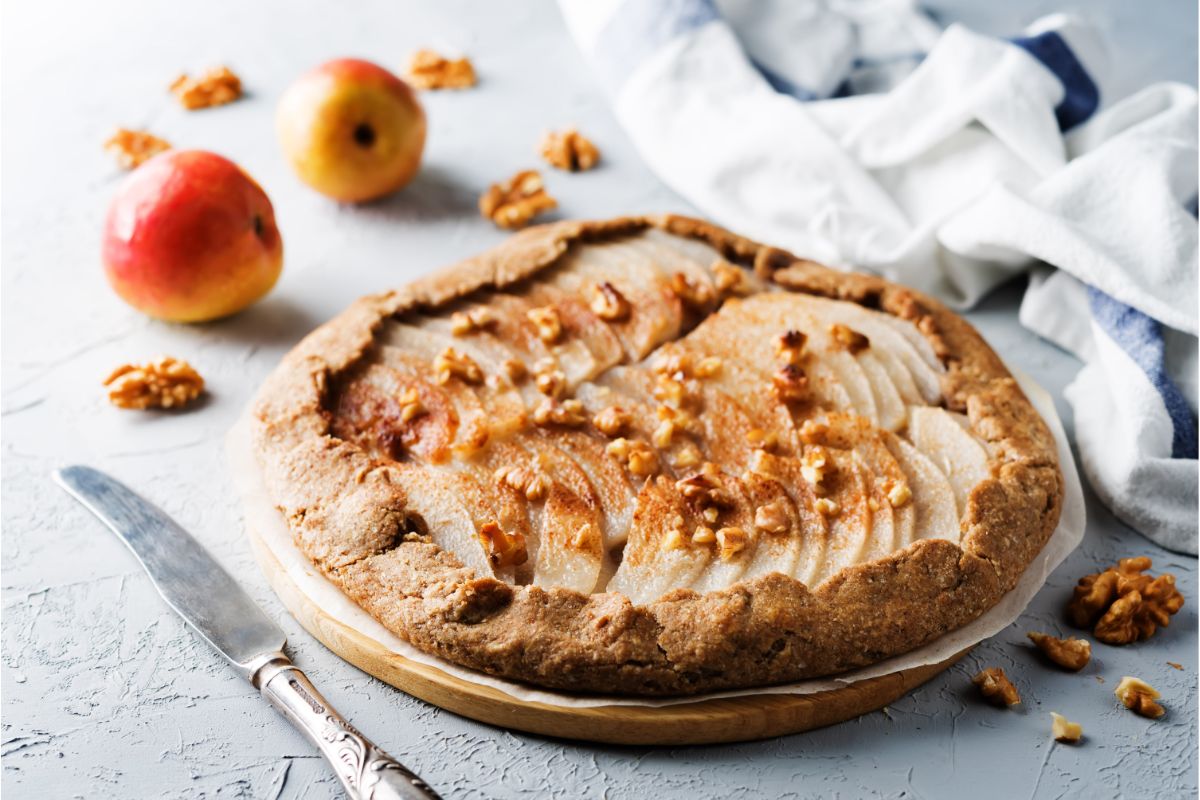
(107, 695)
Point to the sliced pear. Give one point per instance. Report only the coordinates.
(932, 498)
(946, 442)
(580, 324)
(775, 550)
(814, 526)
(850, 526)
(893, 411)
(724, 570)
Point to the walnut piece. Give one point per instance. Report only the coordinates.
(607, 302)
(429, 70)
(897, 492)
(503, 549)
(708, 367)
(134, 148)
(453, 364)
(612, 421)
(771, 517)
(568, 413)
(514, 202)
(464, 323)
(525, 480)
(1073, 654)
(813, 432)
(704, 487)
(1139, 697)
(687, 456)
(215, 87)
(789, 347)
(790, 383)
(703, 535)
(549, 379)
(814, 465)
(410, 405)
(848, 338)
(514, 369)
(1063, 730)
(760, 439)
(165, 382)
(570, 150)
(996, 688)
(826, 507)
(729, 279)
(695, 295)
(731, 541)
(1123, 604)
(639, 458)
(547, 323)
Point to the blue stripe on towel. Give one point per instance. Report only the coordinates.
(640, 27)
(1081, 98)
(1141, 338)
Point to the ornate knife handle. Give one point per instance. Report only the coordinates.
(366, 772)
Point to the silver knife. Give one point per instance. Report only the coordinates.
(213, 604)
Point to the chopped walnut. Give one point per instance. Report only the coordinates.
(672, 364)
(1072, 654)
(673, 539)
(694, 295)
(789, 347)
(813, 432)
(729, 279)
(467, 322)
(771, 517)
(848, 338)
(639, 457)
(670, 391)
(708, 367)
(514, 369)
(570, 150)
(705, 487)
(569, 413)
(165, 382)
(503, 549)
(428, 70)
(547, 323)
(410, 405)
(687, 456)
(711, 514)
(516, 201)
(607, 302)
(134, 148)
(453, 364)
(897, 492)
(731, 541)
(612, 420)
(1063, 730)
(791, 384)
(1123, 604)
(762, 440)
(549, 379)
(813, 466)
(215, 87)
(1139, 697)
(704, 535)
(826, 507)
(996, 688)
(663, 434)
(525, 480)
(474, 437)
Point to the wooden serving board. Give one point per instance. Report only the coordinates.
(701, 722)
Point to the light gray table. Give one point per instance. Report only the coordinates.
(107, 695)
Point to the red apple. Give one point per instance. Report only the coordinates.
(352, 130)
(191, 237)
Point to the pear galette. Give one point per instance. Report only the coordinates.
(648, 456)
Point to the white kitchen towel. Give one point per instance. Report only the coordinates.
(857, 133)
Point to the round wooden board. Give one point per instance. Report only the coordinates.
(701, 722)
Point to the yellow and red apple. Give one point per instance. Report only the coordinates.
(352, 130)
(191, 237)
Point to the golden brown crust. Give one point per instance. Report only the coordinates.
(348, 516)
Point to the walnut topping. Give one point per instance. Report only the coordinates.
(549, 379)
(453, 364)
(612, 420)
(731, 541)
(687, 456)
(996, 688)
(705, 487)
(607, 302)
(670, 391)
(1123, 604)
(672, 364)
(514, 369)
(813, 466)
(791, 384)
(708, 367)
(514, 202)
(503, 549)
(428, 70)
(789, 347)
(729, 279)
(165, 382)
(134, 148)
(704, 535)
(475, 436)
(762, 440)
(215, 87)
(673, 539)
(639, 457)
(410, 405)
(463, 323)
(569, 413)
(663, 434)
(525, 480)
(848, 338)
(711, 514)
(1063, 730)
(1139, 697)
(826, 507)
(813, 432)
(694, 295)
(897, 492)
(569, 150)
(1072, 654)
(547, 322)
(771, 517)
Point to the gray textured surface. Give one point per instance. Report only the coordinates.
(107, 695)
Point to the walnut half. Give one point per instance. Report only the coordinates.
(215, 87)
(570, 150)
(516, 201)
(1073, 654)
(996, 688)
(1123, 604)
(134, 148)
(165, 382)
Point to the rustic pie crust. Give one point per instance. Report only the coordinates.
(647, 456)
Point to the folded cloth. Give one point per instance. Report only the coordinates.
(858, 133)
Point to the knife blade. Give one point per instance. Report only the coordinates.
(212, 603)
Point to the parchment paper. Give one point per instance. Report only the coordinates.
(262, 517)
